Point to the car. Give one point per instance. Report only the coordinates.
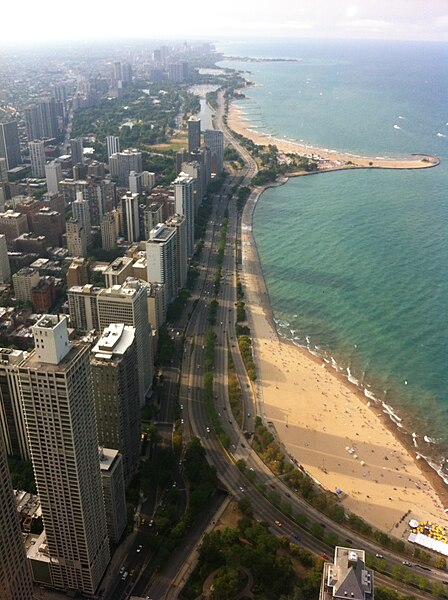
(251, 469)
(278, 523)
(121, 570)
(181, 407)
(296, 536)
(125, 574)
(131, 573)
(248, 414)
(182, 421)
(379, 555)
(445, 582)
(207, 429)
(230, 421)
(139, 549)
(324, 556)
(407, 563)
(151, 523)
(349, 541)
(423, 567)
(288, 495)
(242, 489)
(174, 484)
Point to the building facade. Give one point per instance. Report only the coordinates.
(57, 399)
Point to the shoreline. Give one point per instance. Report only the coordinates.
(319, 417)
(328, 159)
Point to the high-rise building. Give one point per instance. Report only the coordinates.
(195, 170)
(77, 151)
(180, 223)
(3, 172)
(12, 421)
(49, 223)
(37, 157)
(10, 144)
(178, 71)
(112, 145)
(347, 576)
(113, 361)
(112, 478)
(53, 175)
(122, 163)
(15, 576)
(108, 232)
(118, 271)
(57, 399)
(33, 122)
(83, 307)
(153, 214)
(214, 139)
(161, 258)
(128, 304)
(184, 205)
(130, 212)
(48, 113)
(78, 272)
(76, 238)
(194, 134)
(81, 212)
(13, 224)
(23, 281)
(5, 268)
(135, 182)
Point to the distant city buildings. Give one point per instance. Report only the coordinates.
(122, 163)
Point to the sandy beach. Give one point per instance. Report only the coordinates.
(330, 159)
(326, 423)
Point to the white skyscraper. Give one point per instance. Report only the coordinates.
(76, 238)
(112, 145)
(180, 223)
(57, 399)
(161, 259)
(184, 205)
(53, 175)
(37, 157)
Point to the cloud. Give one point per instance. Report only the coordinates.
(441, 22)
(351, 11)
(370, 24)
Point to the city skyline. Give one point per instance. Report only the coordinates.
(321, 19)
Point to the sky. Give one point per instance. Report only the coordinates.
(30, 21)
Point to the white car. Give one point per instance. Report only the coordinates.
(125, 574)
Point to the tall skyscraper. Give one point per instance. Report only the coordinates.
(161, 259)
(122, 163)
(112, 145)
(33, 122)
(5, 268)
(135, 182)
(128, 304)
(10, 144)
(15, 576)
(194, 134)
(76, 238)
(81, 212)
(152, 216)
(112, 477)
(130, 212)
(180, 224)
(37, 156)
(49, 119)
(214, 139)
(114, 367)
(12, 421)
(57, 399)
(77, 151)
(184, 205)
(108, 232)
(53, 175)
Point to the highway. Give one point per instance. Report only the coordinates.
(196, 421)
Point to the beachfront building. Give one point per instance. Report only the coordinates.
(184, 205)
(347, 576)
(161, 258)
(214, 139)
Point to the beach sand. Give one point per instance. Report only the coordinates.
(318, 414)
(338, 160)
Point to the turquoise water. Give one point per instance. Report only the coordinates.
(356, 262)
